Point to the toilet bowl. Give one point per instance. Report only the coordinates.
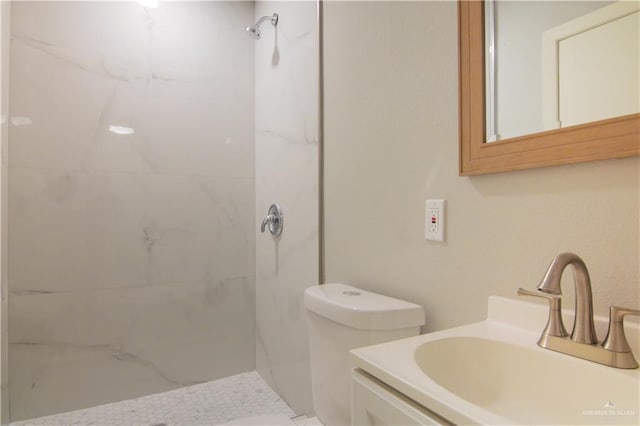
(341, 318)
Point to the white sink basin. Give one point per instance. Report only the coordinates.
(492, 372)
(528, 385)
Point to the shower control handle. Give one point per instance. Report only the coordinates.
(267, 220)
(273, 220)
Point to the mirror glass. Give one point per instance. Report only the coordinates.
(550, 65)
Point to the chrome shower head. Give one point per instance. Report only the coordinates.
(254, 31)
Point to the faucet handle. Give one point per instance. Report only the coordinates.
(273, 220)
(555, 326)
(616, 341)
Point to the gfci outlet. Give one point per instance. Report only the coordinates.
(434, 220)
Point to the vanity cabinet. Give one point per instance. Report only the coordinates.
(374, 403)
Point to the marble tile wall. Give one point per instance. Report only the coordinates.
(131, 264)
(286, 92)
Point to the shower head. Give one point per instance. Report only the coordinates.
(254, 30)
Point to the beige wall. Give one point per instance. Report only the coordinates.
(5, 21)
(391, 135)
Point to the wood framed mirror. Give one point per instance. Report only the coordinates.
(603, 139)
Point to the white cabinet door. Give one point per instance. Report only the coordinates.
(591, 66)
(598, 72)
(374, 404)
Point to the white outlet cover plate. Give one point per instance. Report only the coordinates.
(434, 220)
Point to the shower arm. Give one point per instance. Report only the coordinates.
(273, 19)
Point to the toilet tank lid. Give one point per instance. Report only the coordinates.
(362, 309)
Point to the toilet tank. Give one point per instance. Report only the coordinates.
(341, 318)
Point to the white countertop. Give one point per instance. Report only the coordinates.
(512, 321)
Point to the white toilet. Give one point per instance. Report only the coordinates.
(341, 318)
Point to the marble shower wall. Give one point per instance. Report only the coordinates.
(286, 91)
(131, 264)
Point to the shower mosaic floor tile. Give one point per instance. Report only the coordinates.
(226, 400)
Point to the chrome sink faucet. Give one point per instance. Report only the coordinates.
(582, 343)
